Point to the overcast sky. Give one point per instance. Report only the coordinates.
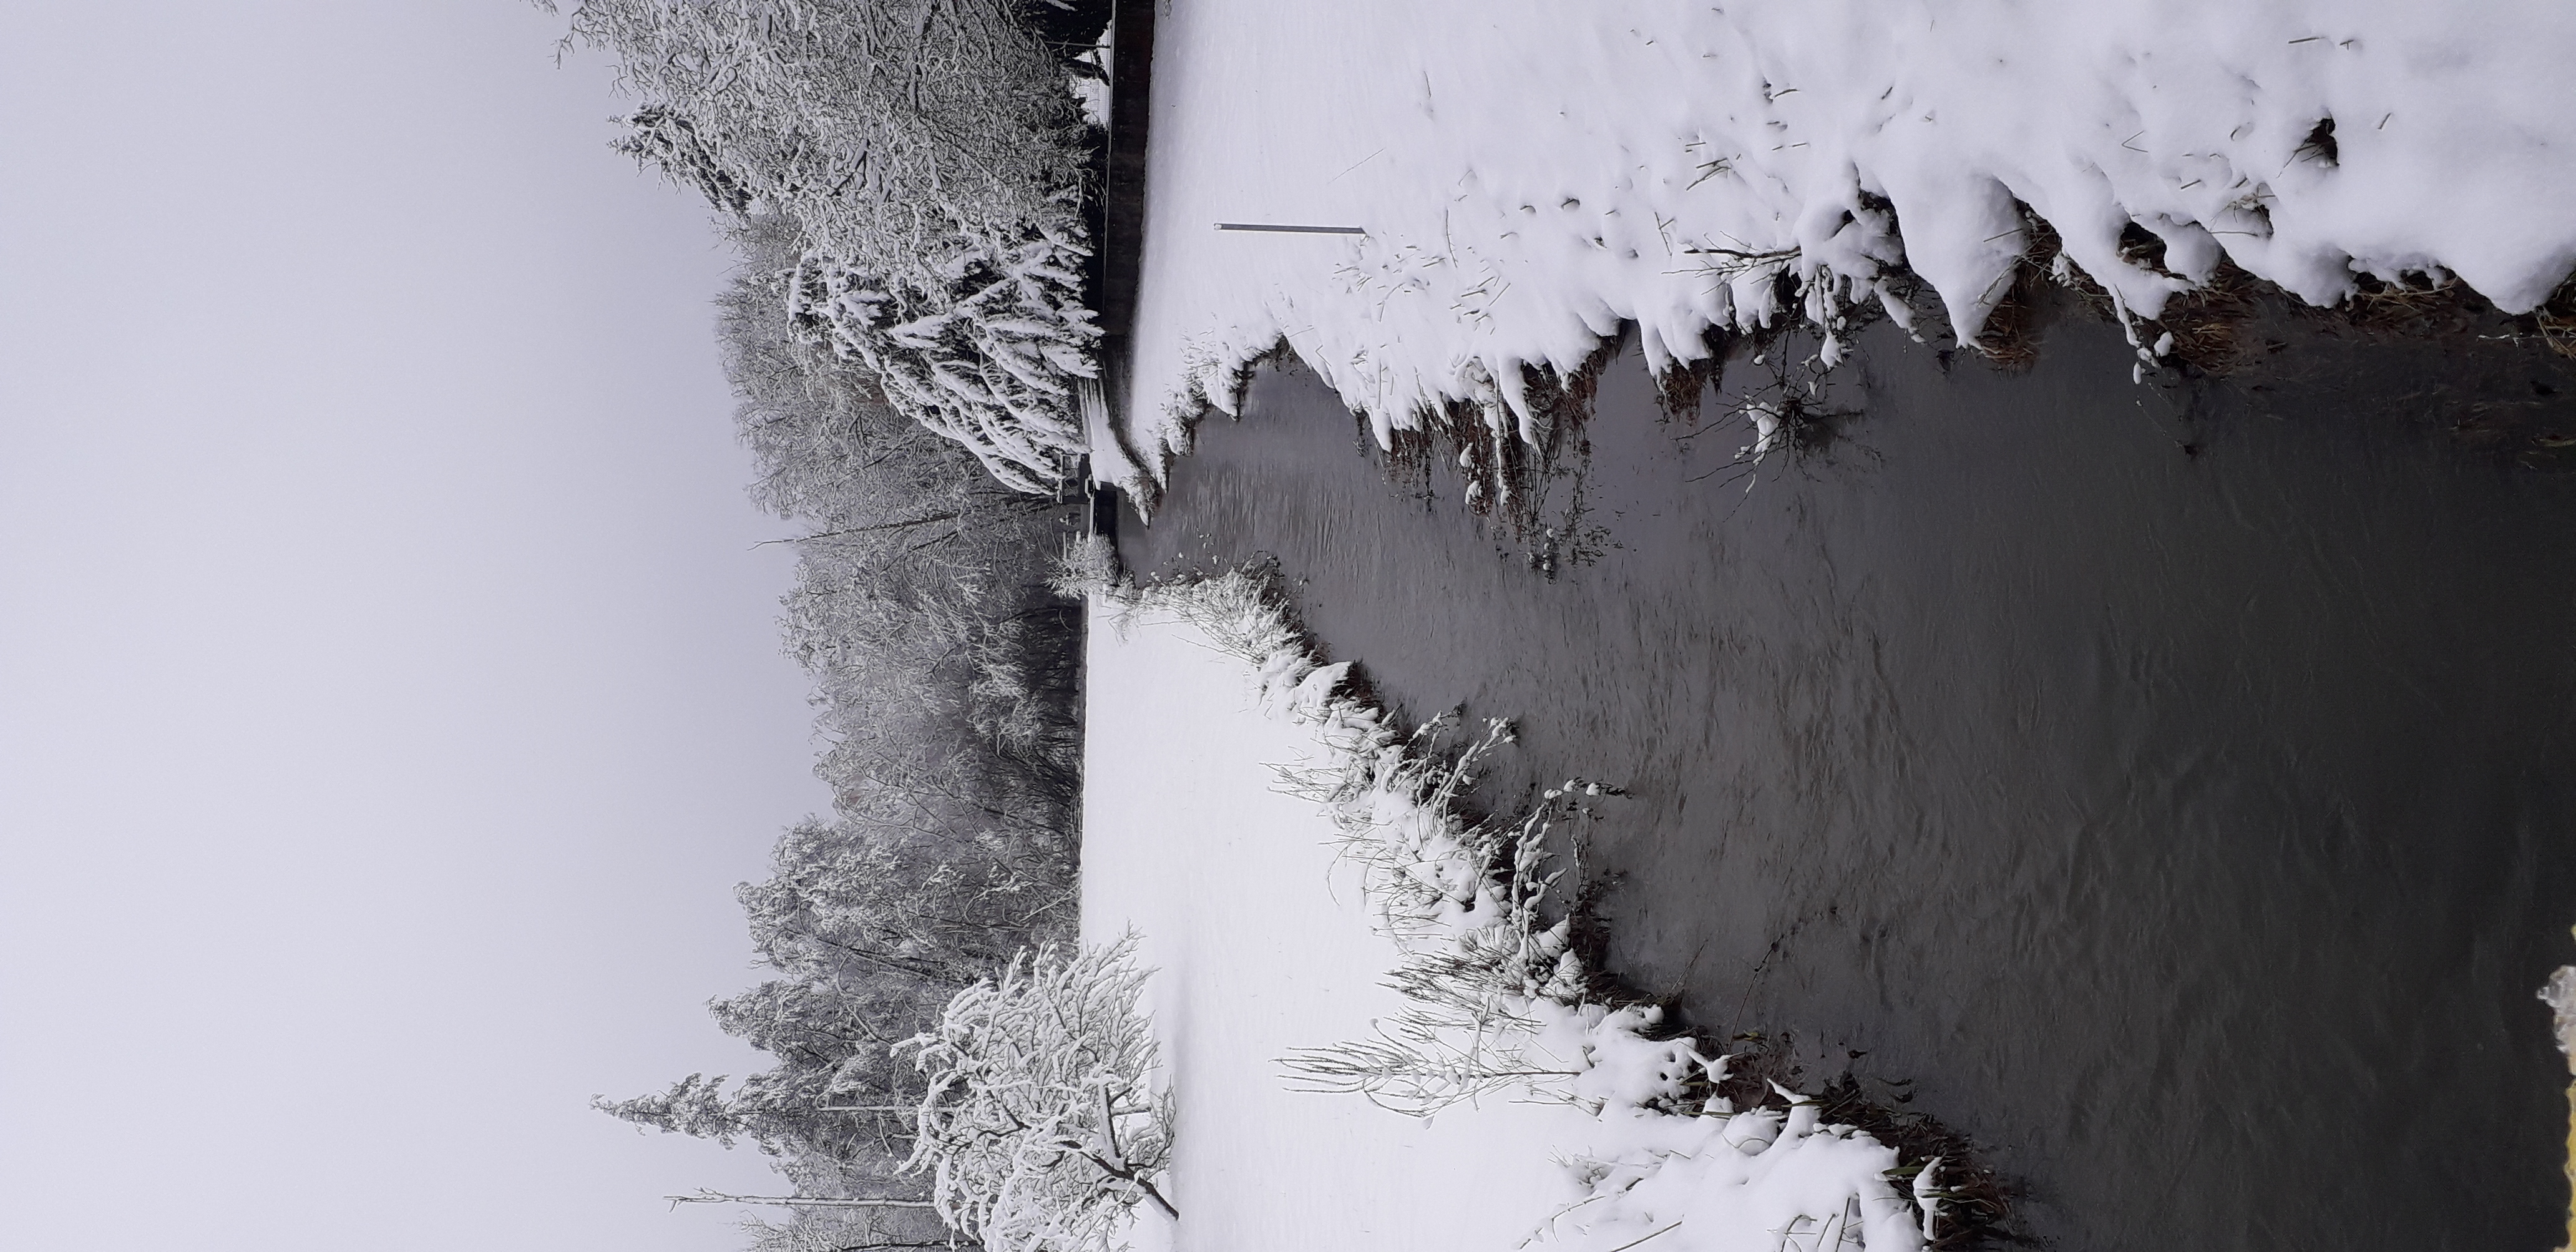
(389, 692)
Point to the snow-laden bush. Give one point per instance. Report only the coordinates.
(932, 163)
(1478, 960)
(982, 346)
(2560, 995)
(1040, 1129)
(1089, 566)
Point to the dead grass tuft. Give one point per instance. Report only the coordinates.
(2555, 323)
(1681, 387)
(2207, 321)
(2011, 335)
(1976, 1202)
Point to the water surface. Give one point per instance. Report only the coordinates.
(2175, 782)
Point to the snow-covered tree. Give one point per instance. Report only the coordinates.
(984, 345)
(1041, 1129)
(933, 166)
(656, 135)
(920, 606)
(882, 126)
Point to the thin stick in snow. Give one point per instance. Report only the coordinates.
(1293, 230)
(1644, 1237)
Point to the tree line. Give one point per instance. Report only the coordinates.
(908, 186)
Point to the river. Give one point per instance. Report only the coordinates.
(2168, 786)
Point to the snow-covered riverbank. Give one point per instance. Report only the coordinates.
(1271, 940)
(1529, 175)
(1262, 944)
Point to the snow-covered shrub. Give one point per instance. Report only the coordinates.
(1041, 1128)
(982, 345)
(1462, 901)
(1089, 566)
(1763, 1180)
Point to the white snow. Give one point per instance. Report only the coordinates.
(2560, 996)
(1262, 945)
(1531, 174)
(1210, 742)
(1092, 93)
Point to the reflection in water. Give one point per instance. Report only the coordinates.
(2168, 787)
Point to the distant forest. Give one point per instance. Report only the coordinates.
(910, 188)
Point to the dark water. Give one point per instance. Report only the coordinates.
(2177, 782)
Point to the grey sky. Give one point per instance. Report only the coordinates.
(389, 697)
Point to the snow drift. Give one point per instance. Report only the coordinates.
(1532, 175)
